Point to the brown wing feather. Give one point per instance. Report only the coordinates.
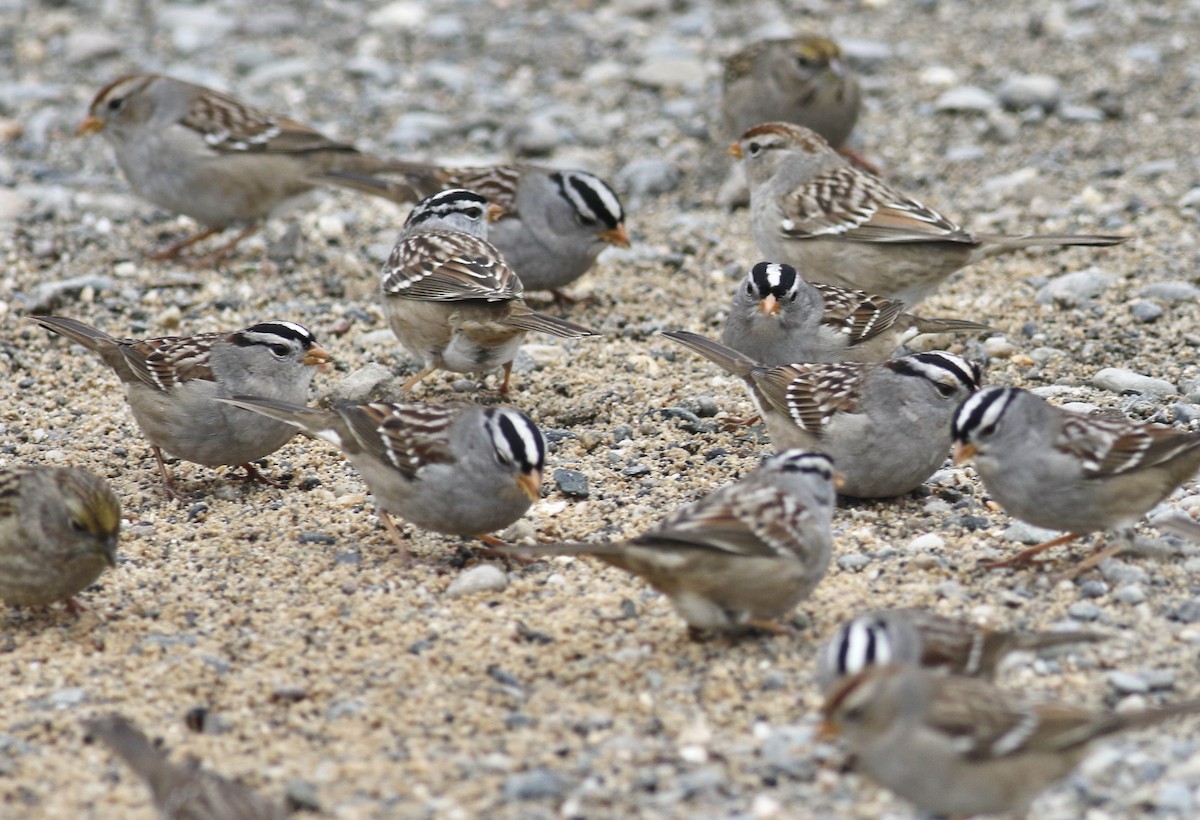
(407, 436)
(854, 205)
(449, 266)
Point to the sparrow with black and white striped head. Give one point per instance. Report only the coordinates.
(450, 296)
(1064, 470)
(171, 384)
(924, 638)
(458, 469)
(550, 226)
(843, 226)
(739, 558)
(957, 746)
(886, 425)
(778, 318)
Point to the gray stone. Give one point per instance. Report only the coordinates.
(1029, 91)
(1093, 589)
(571, 483)
(1145, 311)
(854, 561)
(965, 98)
(534, 785)
(1131, 594)
(13, 204)
(1175, 797)
(361, 385)
(1073, 112)
(1083, 611)
(194, 27)
(477, 579)
(649, 176)
(537, 136)
(1127, 683)
(1171, 291)
(670, 71)
(1120, 380)
(1073, 289)
(85, 45)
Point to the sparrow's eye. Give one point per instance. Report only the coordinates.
(945, 389)
(750, 288)
(754, 149)
(115, 103)
(280, 350)
(806, 63)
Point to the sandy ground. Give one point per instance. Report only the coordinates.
(328, 670)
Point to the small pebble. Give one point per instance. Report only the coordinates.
(1083, 611)
(1120, 380)
(479, 578)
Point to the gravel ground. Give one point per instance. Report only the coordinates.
(326, 669)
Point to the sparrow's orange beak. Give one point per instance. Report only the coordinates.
(839, 480)
(616, 236)
(963, 452)
(734, 151)
(317, 355)
(768, 305)
(828, 731)
(90, 125)
(531, 484)
(494, 212)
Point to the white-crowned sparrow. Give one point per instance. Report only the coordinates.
(844, 226)
(886, 425)
(961, 746)
(58, 532)
(170, 384)
(458, 469)
(741, 557)
(552, 223)
(451, 298)
(778, 318)
(207, 155)
(180, 792)
(1063, 470)
(918, 636)
(799, 79)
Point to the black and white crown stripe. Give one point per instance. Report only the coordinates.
(454, 201)
(516, 438)
(861, 643)
(591, 198)
(774, 278)
(980, 413)
(935, 365)
(801, 461)
(272, 332)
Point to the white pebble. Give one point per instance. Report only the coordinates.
(926, 543)
(481, 578)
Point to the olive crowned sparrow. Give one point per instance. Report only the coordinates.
(551, 224)
(58, 532)
(458, 469)
(844, 226)
(960, 746)
(801, 79)
(1064, 470)
(740, 557)
(210, 156)
(886, 425)
(451, 298)
(171, 383)
(921, 637)
(778, 318)
(180, 792)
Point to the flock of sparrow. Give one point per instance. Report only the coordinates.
(811, 331)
